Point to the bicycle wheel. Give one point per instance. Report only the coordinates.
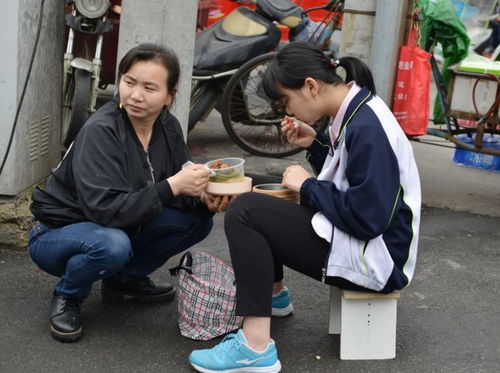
(251, 119)
(76, 102)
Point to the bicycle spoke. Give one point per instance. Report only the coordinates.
(251, 119)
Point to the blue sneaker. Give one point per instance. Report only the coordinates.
(233, 354)
(282, 305)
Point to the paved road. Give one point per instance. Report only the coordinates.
(448, 319)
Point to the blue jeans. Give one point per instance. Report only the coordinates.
(83, 253)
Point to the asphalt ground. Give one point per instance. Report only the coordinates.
(448, 318)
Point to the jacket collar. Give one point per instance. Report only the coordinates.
(359, 100)
(353, 105)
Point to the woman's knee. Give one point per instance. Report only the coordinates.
(240, 203)
(201, 227)
(112, 248)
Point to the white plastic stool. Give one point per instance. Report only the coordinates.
(366, 323)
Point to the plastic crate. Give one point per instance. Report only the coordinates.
(478, 160)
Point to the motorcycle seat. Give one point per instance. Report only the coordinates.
(284, 11)
(229, 43)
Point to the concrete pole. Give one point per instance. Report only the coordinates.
(170, 23)
(357, 29)
(388, 33)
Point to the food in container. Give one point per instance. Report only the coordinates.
(277, 190)
(226, 170)
(228, 177)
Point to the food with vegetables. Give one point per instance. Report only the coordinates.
(226, 170)
(217, 165)
(225, 177)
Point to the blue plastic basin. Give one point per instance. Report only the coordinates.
(478, 160)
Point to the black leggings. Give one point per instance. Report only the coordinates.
(264, 233)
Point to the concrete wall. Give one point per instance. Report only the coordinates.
(36, 146)
(171, 23)
(35, 149)
(8, 74)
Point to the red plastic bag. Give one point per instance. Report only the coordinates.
(411, 94)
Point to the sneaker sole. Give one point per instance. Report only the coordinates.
(282, 312)
(66, 337)
(275, 368)
(114, 296)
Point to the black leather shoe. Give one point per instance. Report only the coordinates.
(65, 320)
(115, 288)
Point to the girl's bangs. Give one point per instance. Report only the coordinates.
(270, 84)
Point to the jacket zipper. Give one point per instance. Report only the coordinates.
(150, 167)
(323, 270)
(335, 145)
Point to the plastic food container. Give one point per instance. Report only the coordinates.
(226, 170)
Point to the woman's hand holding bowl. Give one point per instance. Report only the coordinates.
(191, 180)
(294, 176)
(216, 203)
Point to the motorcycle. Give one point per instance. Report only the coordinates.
(84, 73)
(230, 59)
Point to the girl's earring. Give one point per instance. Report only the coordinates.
(120, 105)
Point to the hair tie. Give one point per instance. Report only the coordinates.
(334, 63)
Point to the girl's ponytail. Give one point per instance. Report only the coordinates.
(358, 71)
(298, 61)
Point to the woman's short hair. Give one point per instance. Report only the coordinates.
(153, 52)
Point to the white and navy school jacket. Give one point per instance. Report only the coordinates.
(367, 195)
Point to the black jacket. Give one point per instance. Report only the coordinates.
(106, 176)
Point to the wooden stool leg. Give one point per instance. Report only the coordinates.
(335, 311)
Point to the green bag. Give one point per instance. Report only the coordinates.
(441, 24)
